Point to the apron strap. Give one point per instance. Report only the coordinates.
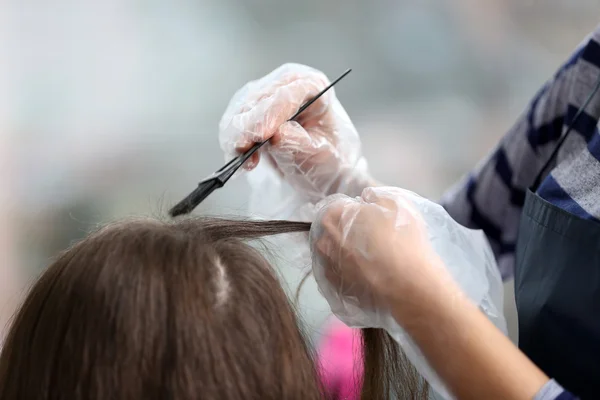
(540, 175)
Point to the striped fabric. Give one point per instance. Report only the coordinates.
(492, 196)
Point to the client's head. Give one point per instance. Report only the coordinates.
(153, 310)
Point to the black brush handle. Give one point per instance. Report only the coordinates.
(192, 200)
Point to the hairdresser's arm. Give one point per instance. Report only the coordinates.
(468, 352)
(375, 252)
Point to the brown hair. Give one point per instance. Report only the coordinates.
(388, 373)
(154, 310)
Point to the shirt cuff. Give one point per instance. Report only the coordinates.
(550, 391)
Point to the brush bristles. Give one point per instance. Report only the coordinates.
(192, 200)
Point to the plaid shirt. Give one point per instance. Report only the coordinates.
(491, 197)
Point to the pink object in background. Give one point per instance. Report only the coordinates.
(340, 361)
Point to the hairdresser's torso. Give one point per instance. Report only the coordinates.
(549, 234)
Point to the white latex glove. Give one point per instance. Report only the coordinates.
(318, 154)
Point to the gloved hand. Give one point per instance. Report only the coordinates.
(318, 154)
(373, 247)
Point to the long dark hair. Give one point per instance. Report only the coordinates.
(146, 309)
(388, 372)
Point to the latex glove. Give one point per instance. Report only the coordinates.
(319, 154)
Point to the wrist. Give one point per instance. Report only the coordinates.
(430, 294)
(358, 180)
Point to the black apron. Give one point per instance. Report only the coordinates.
(557, 291)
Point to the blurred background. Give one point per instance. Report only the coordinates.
(110, 108)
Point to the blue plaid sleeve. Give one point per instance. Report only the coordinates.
(491, 196)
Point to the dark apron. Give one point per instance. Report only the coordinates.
(557, 290)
